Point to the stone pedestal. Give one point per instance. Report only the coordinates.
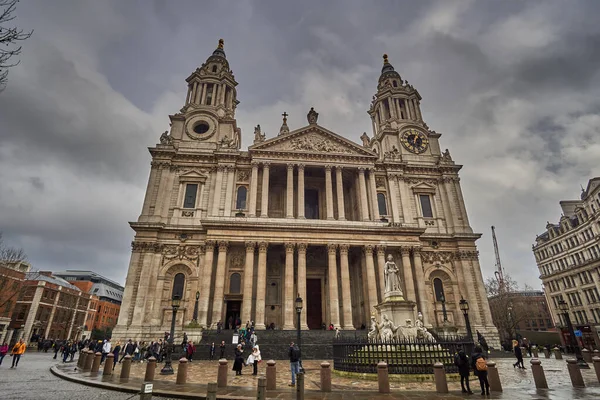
(397, 309)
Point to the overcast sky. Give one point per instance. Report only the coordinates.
(513, 87)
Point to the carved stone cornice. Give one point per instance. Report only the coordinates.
(262, 247)
(443, 257)
(331, 248)
(289, 247)
(187, 252)
(153, 247)
(467, 255)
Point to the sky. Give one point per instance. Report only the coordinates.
(512, 86)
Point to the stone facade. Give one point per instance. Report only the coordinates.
(306, 212)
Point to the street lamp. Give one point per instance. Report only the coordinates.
(195, 316)
(298, 312)
(464, 307)
(168, 369)
(564, 307)
(443, 300)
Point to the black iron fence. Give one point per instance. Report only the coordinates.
(402, 356)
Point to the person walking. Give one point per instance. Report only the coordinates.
(238, 363)
(106, 348)
(3, 351)
(17, 351)
(190, 350)
(256, 358)
(116, 352)
(129, 349)
(461, 360)
(222, 348)
(519, 354)
(294, 355)
(479, 365)
(211, 353)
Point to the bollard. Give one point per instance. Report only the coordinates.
(222, 373)
(382, 377)
(557, 353)
(146, 391)
(89, 359)
(538, 374)
(575, 373)
(182, 371)
(596, 361)
(96, 363)
(125, 367)
(535, 352)
(300, 386)
(108, 364)
(261, 392)
(587, 355)
(150, 369)
(546, 353)
(596, 353)
(271, 375)
(326, 377)
(81, 359)
(439, 376)
(494, 377)
(211, 391)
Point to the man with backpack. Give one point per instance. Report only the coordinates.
(294, 353)
(480, 367)
(461, 360)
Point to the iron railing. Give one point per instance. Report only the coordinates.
(413, 356)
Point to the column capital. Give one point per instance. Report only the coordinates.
(289, 247)
(302, 247)
(405, 250)
(361, 170)
(290, 166)
(381, 250)
(344, 248)
(339, 168)
(210, 245)
(416, 251)
(369, 249)
(300, 166)
(328, 167)
(262, 247)
(223, 245)
(332, 247)
(255, 164)
(266, 164)
(250, 246)
(221, 168)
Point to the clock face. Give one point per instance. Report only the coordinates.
(414, 141)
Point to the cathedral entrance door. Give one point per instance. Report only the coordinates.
(311, 204)
(233, 312)
(314, 318)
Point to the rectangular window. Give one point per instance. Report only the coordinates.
(426, 205)
(209, 93)
(190, 195)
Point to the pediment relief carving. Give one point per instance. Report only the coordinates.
(193, 175)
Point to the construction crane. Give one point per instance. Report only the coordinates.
(499, 271)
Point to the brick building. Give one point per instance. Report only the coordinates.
(12, 277)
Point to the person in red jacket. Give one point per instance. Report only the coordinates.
(3, 351)
(190, 350)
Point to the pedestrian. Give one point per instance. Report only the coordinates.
(479, 365)
(527, 345)
(190, 350)
(129, 348)
(337, 333)
(3, 351)
(17, 351)
(294, 354)
(56, 349)
(116, 352)
(219, 326)
(238, 362)
(72, 351)
(66, 348)
(211, 353)
(106, 348)
(229, 323)
(519, 354)
(222, 347)
(461, 360)
(253, 339)
(256, 358)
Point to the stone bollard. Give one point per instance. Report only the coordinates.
(96, 363)
(557, 353)
(182, 371)
(89, 359)
(150, 369)
(108, 364)
(535, 352)
(222, 373)
(326, 377)
(494, 377)
(271, 375)
(596, 353)
(546, 353)
(261, 391)
(538, 374)
(211, 391)
(383, 379)
(587, 355)
(81, 359)
(596, 361)
(439, 376)
(125, 367)
(575, 373)
(300, 386)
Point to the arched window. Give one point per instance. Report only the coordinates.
(240, 203)
(395, 83)
(178, 284)
(381, 204)
(235, 283)
(438, 286)
(214, 69)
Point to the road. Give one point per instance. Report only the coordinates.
(33, 380)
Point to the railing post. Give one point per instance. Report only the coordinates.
(557, 353)
(587, 355)
(383, 378)
(494, 377)
(125, 367)
(150, 369)
(182, 371)
(108, 364)
(222, 373)
(596, 361)
(300, 386)
(96, 363)
(326, 377)
(271, 375)
(439, 375)
(538, 374)
(575, 373)
(261, 392)
(211, 391)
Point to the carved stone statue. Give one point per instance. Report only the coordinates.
(387, 329)
(422, 332)
(365, 139)
(258, 135)
(392, 276)
(226, 142)
(446, 155)
(373, 334)
(165, 138)
(312, 116)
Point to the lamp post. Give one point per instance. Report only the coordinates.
(443, 300)
(195, 316)
(464, 307)
(299, 337)
(168, 369)
(564, 307)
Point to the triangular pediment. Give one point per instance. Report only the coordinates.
(423, 187)
(313, 139)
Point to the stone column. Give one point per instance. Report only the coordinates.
(253, 190)
(461, 202)
(290, 191)
(35, 304)
(346, 292)
(261, 285)
(393, 198)
(420, 279)
(207, 278)
(301, 191)
(264, 211)
(217, 309)
(204, 93)
(288, 293)
(329, 192)
(373, 189)
(340, 193)
(409, 283)
(217, 193)
(448, 218)
(380, 264)
(229, 192)
(248, 280)
(364, 205)
(302, 280)
(334, 305)
(371, 282)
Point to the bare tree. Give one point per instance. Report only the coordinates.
(9, 254)
(9, 39)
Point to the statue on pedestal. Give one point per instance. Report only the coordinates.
(387, 329)
(392, 276)
(373, 334)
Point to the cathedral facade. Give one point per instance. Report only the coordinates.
(308, 213)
